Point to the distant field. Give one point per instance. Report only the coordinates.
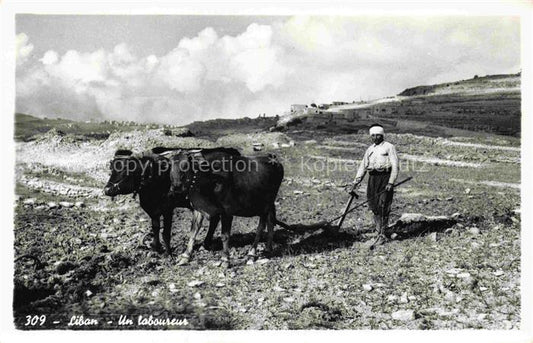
(499, 114)
(488, 104)
(504, 81)
(28, 127)
(216, 128)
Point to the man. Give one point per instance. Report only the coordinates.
(381, 162)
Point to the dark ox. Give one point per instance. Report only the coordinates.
(148, 175)
(221, 185)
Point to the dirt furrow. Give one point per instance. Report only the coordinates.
(54, 187)
(481, 146)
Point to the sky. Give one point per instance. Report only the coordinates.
(178, 69)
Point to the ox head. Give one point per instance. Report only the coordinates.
(181, 173)
(126, 174)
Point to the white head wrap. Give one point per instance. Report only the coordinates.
(376, 130)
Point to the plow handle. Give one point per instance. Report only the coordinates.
(348, 209)
(341, 220)
(345, 212)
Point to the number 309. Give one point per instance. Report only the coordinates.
(35, 320)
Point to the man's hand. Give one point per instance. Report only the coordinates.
(389, 187)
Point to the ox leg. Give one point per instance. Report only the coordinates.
(226, 229)
(252, 254)
(196, 224)
(167, 229)
(213, 222)
(156, 225)
(270, 222)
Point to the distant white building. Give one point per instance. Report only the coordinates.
(312, 110)
(298, 108)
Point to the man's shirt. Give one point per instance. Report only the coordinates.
(379, 157)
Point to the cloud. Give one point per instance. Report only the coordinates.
(181, 72)
(80, 69)
(265, 68)
(50, 57)
(22, 48)
(254, 59)
(249, 58)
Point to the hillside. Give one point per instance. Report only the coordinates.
(28, 127)
(489, 104)
(474, 107)
(485, 83)
(216, 128)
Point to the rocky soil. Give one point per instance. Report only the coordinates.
(79, 253)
